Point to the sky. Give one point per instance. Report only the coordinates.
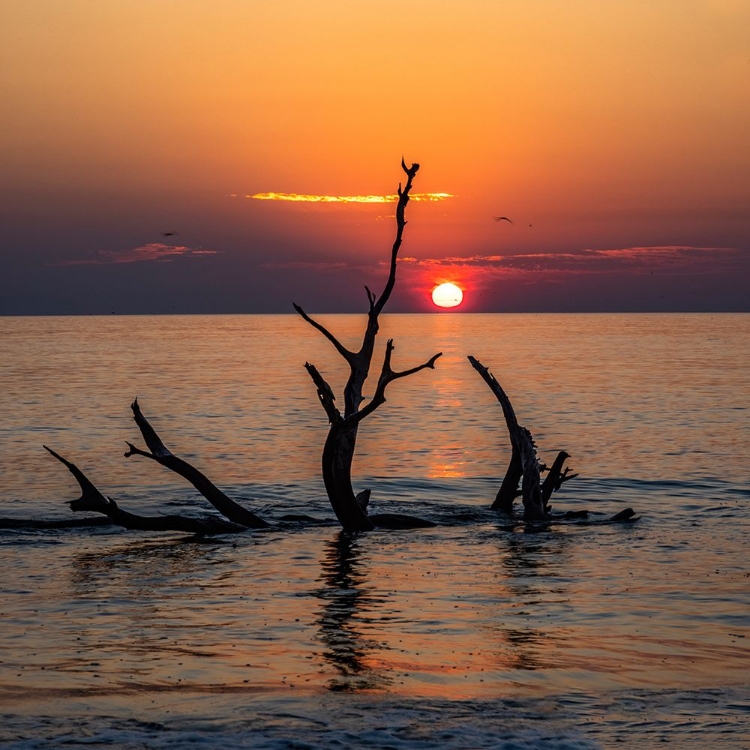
(149, 150)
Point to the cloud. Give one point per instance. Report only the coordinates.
(669, 259)
(308, 198)
(154, 251)
(309, 265)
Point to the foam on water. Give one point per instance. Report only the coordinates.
(709, 718)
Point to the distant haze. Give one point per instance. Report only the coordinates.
(139, 143)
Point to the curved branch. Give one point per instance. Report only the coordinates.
(153, 441)
(223, 503)
(510, 416)
(523, 456)
(403, 199)
(340, 348)
(325, 394)
(388, 375)
(90, 499)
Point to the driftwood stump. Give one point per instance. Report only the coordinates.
(524, 464)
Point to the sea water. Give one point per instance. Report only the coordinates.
(472, 634)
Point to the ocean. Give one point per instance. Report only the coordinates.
(473, 634)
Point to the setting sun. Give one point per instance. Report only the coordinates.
(447, 295)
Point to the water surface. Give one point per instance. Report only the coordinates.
(465, 635)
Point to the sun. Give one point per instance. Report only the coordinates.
(447, 295)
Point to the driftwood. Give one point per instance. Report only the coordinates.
(524, 464)
(338, 451)
(535, 495)
(525, 467)
(161, 454)
(92, 500)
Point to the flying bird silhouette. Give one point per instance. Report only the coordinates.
(169, 234)
(502, 218)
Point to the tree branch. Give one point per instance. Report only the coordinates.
(388, 375)
(370, 297)
(325, 394)
(93, 501)
(556, 477)
(523, 454)
(222, 502)
(510, 416)
(153, 441)
(403, 199)
(340, 348)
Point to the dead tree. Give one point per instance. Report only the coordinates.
(524, 464)
(92, 500)
(162, 455)
(338, 451)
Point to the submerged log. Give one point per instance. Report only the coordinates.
(162, 455)
(340, 444)
(524, 463)
(92, 500)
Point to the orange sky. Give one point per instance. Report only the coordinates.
(603, 129)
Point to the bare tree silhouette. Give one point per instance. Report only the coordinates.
(338, 451)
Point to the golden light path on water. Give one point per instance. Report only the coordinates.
(305, 198)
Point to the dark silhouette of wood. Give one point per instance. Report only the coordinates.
(161, 454)
(555, 477)
(624, 515)
(525, 467)
(524, 464)
(338, 450)
(93, 501)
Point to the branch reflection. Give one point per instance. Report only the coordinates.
(141, 567)
(533, 563)
(343, 618)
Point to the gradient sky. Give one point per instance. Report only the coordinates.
(615, 135)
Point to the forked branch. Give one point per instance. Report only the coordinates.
(359, 362)
(340, 348)
(388, 375)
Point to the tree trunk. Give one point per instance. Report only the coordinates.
(524, 464)
(508, 491)
(338, 454)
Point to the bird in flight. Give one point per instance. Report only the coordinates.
(169, 234)
(502, 218)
